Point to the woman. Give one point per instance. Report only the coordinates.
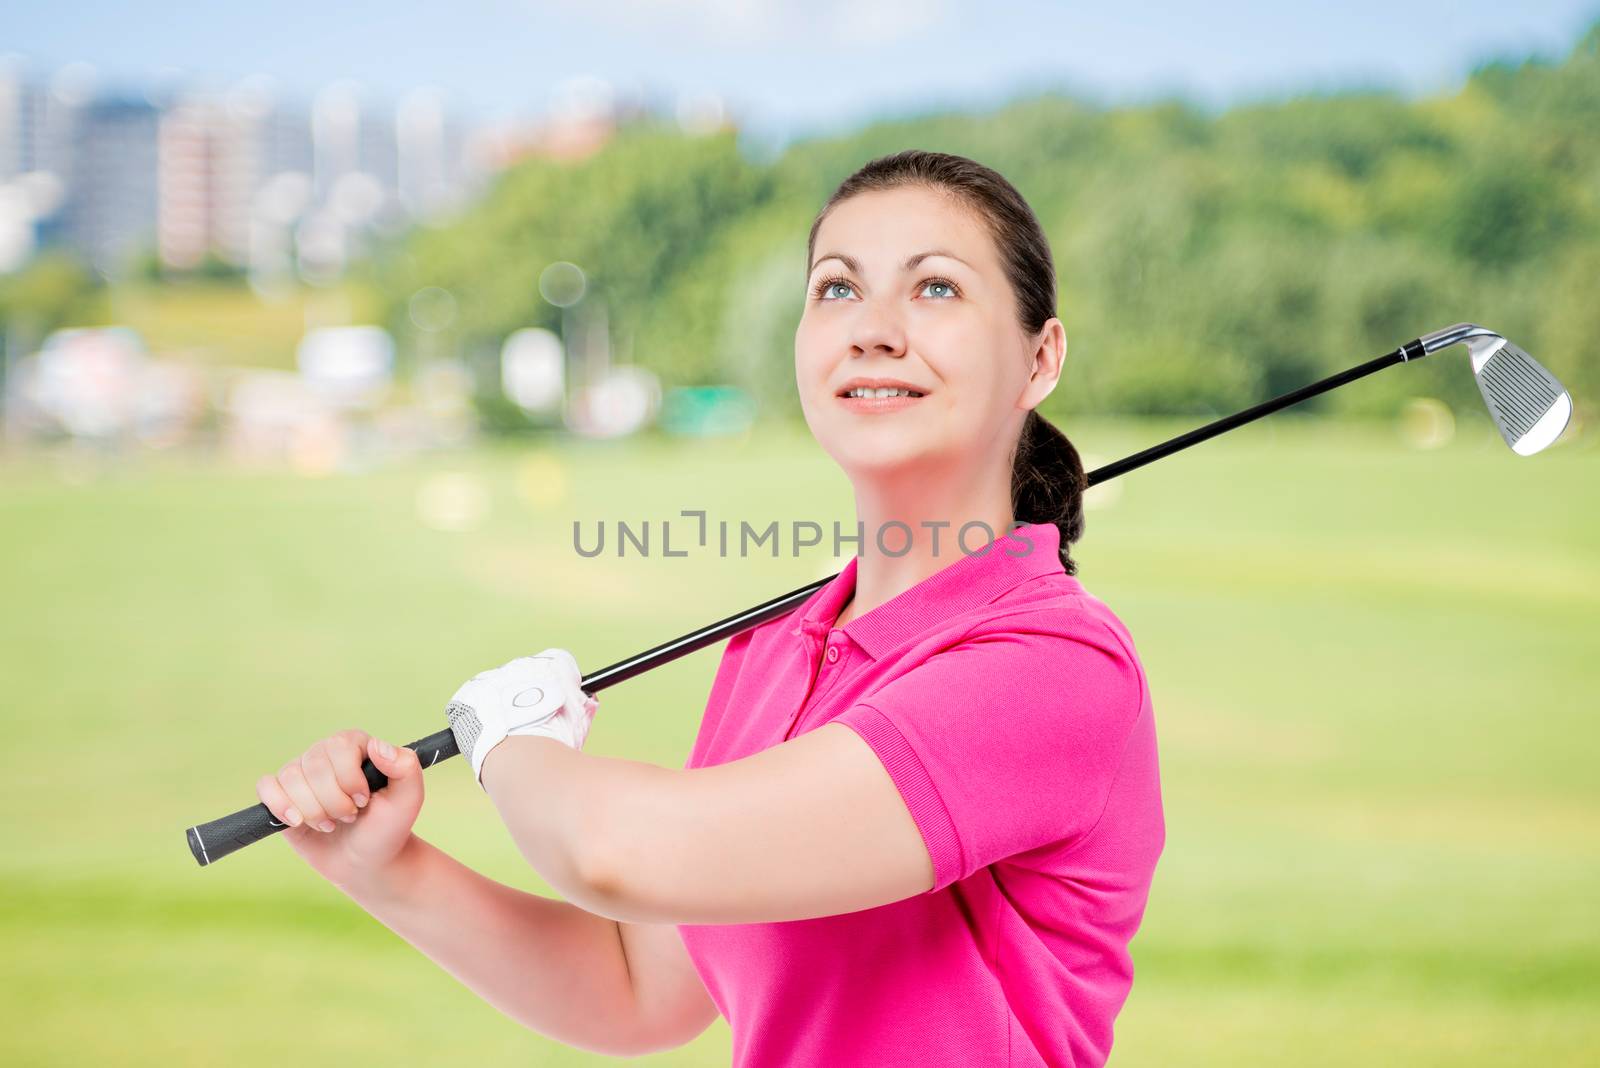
(921, 816)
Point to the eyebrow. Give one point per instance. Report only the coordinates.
(852, 264)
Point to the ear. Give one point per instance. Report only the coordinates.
(1048, 357)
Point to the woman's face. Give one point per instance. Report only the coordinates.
(906, 287)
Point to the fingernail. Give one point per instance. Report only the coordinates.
(347, 819)
(325, 825)
(293, 816)
(385, 749)
(360, 800)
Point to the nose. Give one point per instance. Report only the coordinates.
(877, 332)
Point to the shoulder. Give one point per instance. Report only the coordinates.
(1056, 638)
(1053, 612)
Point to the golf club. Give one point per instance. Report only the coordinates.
(1529, 407)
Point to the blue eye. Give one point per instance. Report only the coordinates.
(824, 288)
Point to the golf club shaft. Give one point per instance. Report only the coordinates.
(211, 841)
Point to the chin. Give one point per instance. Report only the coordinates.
(880, 456)
(878, 444)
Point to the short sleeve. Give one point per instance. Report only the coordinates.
(1005, 742)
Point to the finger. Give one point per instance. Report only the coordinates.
(566, 665)
(324, 781)
(402, 768)
(293, 780)
(347, 750)
(277, 802)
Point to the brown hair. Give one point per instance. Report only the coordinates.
(1047, 480)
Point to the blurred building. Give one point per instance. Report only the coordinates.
(437, 160)
(217, 156)
(29, 195)
(247, 176)
(269, 184)
(190, 158)
(354, 179)
(584, 114)
(76, 169)
(21, 115)
(109, 178)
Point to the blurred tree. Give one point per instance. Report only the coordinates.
(53, 291)
(636, 217)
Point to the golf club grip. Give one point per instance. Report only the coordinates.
(212, 841)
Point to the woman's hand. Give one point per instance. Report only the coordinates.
(535, 695)
(344, 834)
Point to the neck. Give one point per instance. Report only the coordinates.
(926, 521)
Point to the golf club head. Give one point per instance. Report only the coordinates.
(1528, 404)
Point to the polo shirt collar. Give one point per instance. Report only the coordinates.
(965, 583)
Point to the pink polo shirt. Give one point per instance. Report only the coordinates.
(1009, 707)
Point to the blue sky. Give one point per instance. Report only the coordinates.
(790, 68)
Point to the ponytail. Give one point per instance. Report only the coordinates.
(1047, 483)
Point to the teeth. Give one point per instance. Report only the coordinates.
(862, 391)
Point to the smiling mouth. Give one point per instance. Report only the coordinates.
(866, 393)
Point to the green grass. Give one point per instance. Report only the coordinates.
(1373, 671)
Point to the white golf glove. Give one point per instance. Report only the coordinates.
(533, 695)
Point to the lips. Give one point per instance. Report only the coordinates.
(868, 394)
(878, 383)
(867, 405)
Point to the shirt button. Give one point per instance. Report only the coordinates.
(833, 653)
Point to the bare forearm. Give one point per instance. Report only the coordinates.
(721, 844)
(560, 805)
(545, 963)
